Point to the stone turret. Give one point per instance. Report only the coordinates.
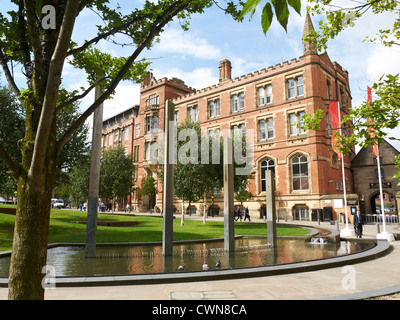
(308, 47)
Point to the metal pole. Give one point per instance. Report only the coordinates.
(94, 180)
(168, 194)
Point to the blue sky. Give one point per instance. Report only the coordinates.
(194, 55)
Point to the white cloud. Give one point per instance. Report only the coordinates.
(381, 61)
(187, 44)
(198, 78)
(126, 96)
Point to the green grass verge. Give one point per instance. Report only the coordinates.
(149, 228)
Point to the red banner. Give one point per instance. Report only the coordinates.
(335, 124)
(370, 129)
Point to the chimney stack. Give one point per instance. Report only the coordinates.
(225, 70)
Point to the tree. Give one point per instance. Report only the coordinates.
(116, 174)
(79, 180)
(149, 188)
(40, 39)
(11, 131)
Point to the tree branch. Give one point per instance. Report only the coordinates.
(14, 167)
(47, 116)
(8, 75)
(157, 26)
(80, 96)
(105, 35)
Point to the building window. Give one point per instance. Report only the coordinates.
(214, 108)
(238, 128)
(110, 139)
(264, 95)
(193, 113)
(267, 164)
(300, 172)
(126, 133)
(266, 129)
(296, 123)
(214, 133)
(295, 87)
(177, 116)
(155, 123)
(237, 102)
(334, 161)
(329, 89)
(147, 151)
(300, 213)
(137, 131)
(147, 127)
(153, 100)
(135, 153)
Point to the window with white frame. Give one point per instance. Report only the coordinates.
(296, 122)
(153, 100)
(295, 87)
(300, 172)
(264, 95)
(265, 129)
(214, 108)
(110, 139)
(155, 123)
(177, 116)
(126, 133)
(147, 124)
(267, 164)
(237, 102)
(137, 131)
(193, 113)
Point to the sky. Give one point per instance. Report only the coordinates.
(194, 55)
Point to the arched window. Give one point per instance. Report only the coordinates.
(300, 172)
(267, 164)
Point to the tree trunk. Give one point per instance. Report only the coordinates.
(29, 250)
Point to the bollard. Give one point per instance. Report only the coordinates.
(378, 228)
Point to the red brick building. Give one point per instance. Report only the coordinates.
(271, 103)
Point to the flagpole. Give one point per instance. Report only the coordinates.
(384, 234)
(346, 232)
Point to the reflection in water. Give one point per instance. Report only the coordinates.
(249, 252)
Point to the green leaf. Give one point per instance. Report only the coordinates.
(266, 17)
(296, 5)
(282, 12)
(249, 5)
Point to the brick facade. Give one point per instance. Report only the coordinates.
(270, 102)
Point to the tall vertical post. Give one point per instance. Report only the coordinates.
(94, 180)
(229, 226)
(271, 210)
(168, 194)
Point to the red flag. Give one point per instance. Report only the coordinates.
(371, 130)
(335, 124)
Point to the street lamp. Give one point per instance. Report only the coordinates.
(393, 138)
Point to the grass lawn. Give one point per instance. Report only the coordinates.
(149, 228)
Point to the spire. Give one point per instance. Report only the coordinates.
(308, 47)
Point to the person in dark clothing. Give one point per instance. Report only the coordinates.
(238, 214)
(358, 224)
(246, 214)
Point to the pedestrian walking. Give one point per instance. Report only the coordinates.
(238, 214)
(246, 214)
(358, 224)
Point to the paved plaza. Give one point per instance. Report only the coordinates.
(372, 278)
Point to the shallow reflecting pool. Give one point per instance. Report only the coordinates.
(250, 252)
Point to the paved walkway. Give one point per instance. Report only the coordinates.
(358, 281)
